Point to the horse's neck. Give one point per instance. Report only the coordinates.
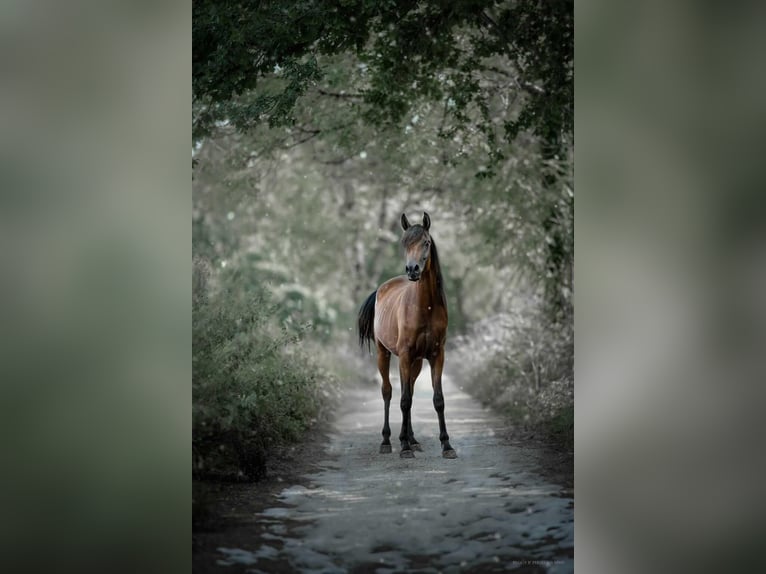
(428, 290)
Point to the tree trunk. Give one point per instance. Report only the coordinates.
(557, 264)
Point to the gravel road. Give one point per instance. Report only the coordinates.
(486, 511)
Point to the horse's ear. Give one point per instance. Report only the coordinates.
(405, 222)
(426, 221)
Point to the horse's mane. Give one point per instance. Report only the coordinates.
(415, 233)
(438, 270)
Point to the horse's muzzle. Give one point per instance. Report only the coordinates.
(414, 277)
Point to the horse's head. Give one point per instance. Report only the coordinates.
(417, 246)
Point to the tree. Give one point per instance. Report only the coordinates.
(252, 61)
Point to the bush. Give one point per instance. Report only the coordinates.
(522, 365)
(253, 389)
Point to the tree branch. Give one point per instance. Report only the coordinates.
(341, 95)
(523, 84)
(312, 135)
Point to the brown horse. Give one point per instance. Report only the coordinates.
(407, 316)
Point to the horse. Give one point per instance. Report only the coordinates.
(407, 316)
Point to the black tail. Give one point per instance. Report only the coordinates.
(366, 321)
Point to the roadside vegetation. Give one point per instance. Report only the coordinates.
(254, 388)
(521, 365)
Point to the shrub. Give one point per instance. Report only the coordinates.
(253, 388)
(522, 365)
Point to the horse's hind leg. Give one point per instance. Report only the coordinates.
(384, 361)
(416, 366)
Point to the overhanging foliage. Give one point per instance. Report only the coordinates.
(252, 60)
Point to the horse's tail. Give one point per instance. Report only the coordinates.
(366, 321)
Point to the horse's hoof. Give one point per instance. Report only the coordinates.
(406, 454)
(416, 446)
(449, 453)
(385, 449)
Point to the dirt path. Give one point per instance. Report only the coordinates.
(360, 511)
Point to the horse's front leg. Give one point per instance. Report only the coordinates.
(416, 367)
(384, 361)
(437, 365)
(405, 374)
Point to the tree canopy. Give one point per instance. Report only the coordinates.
(253, 60)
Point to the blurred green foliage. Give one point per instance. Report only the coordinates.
(320, 204)
(253, 388)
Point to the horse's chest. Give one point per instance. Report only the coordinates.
(428, 341)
